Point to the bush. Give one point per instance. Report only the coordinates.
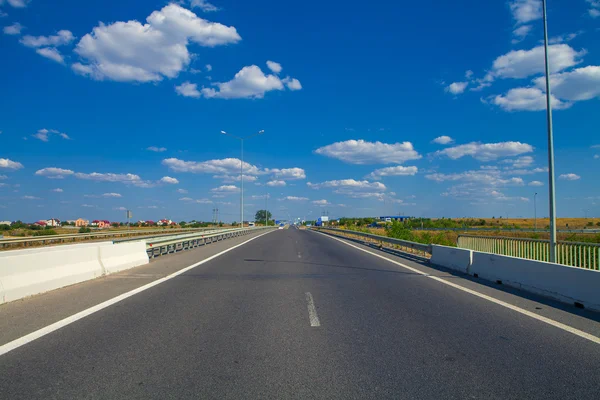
(45, 232)
(84, 229)
(590, 223)
(4, 227)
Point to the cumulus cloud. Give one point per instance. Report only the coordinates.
(294, 198)
(30, 198)
(443, 140)
(521, 162)
(120, 208)
(481, 177)
(54, 173)
(486, 151)
(321, 202)
(226, 189)
(520, 64)
(183, 191)
(134, 52)
(156, 149)
(569, 177)
(363, 152)
(58, 190)
(9, 164)
(526, 99)
(188, 89)
(536, 183)
(576, 85)
(275, 183)
(276, 68)
(521, 33)
(226, 166)
(349, 184)
(287, 173)
(131, 179)
(250, 83)
(14, 29)
(17, 3)
(236, 178)
(594, 10)
(524, 11)
(456, 87)
(62, 38)
(393, 171)
(169, 180)
(52, 54)
(112, 195)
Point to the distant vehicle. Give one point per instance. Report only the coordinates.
(388, 220)
(280, 227)
(251, 224)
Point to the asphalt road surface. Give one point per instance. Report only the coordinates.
(298, 315)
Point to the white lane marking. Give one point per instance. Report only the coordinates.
(312, 311)
(82, 314)
(548, 321)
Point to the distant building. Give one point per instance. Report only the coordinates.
(400, 218)
(53, 222)
(80, 222)
(103, 224)
(150, 223)
(41, 223)
(6, 223)
(164, 222)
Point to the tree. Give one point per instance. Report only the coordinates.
(182, 224)
(260, 215)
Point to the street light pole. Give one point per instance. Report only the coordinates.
(535, 212)
(551, 182)
(241, 139)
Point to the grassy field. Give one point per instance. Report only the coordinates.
(543, 223)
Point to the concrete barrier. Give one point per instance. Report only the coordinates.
(28, 273)
(119, 257)
(452, 258)
(32, 271)
(564, 283)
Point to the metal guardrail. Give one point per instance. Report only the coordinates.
(25, 241)
(500, 229)
(166, 245)
(574, 254)
(402, 245)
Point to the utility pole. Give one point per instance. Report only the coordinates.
(535, 212)
(551, 182)
(266, 212)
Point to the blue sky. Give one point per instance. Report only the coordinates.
(423, 108)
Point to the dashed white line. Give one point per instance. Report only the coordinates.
(312, 311)
(548, 321)
(82, 314)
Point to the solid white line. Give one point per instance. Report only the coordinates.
(312, 311)
(548, 321)
(82, 314)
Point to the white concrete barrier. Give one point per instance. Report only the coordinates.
(119, 257)
(451, 257)
(564, 283)
(26, 274)
(31, 271)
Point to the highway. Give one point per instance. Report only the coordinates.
(294, 314)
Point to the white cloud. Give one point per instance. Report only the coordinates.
(236, 178)
(536, 183)
(486, 151)
(526, 99)
(525, 11)
(456, 87)
(226, 166)
(596, 156)
(88, 206)
(204, 5)
(576, 85)
(156, 149)
(393, 171)
(564, 38)
(521, 33)
(112, 195)
(44, 134)
(208, 67)
(130, 51)
(523, 63)
(276, 183)
(480, 177)
(469, 74)
(188, 89)
(274, 67)
(17, 3)
(58, 190)
(169, 180)
(287, 173)
(226, 189)
(54, 173)
(120, 208)
(321, 202)
(51, 53)
(294, 198)
(363, 152)
(350, 184)
(207, 201)
(250, 83)
(182, 191)
(443, 140)
(30, 198)
(521, 162)
(14, 29)
(594, 10)
(569, 177)
(6, 163)
(186, 199)
(3, 177)
(62, 38)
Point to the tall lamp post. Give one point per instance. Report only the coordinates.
(535, 212)
(241, 139)
(551, 181)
